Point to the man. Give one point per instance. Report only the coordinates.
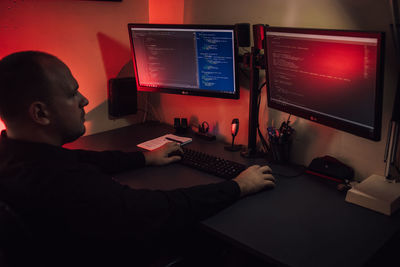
(77, 214)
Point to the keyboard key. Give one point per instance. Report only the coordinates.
(217, 166)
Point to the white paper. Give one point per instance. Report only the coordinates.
(162, 140)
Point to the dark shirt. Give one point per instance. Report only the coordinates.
(75, 209)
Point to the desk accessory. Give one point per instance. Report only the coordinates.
(122, 97)
(180, 125)
(382, 193)
(184, 125)
(234, 132)
(280, 141)
(203, 132)
(162, 140)
(376, 193)
(330, 168)
(204, 127)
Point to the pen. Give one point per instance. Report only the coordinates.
(171, 139)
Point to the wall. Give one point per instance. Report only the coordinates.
(91, 37)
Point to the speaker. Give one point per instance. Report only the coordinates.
(242, 31)
(184, 124)
(258, 36)
(122, 97)
(180, 125)
(177, 124)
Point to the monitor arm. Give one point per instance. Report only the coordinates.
(256, 62)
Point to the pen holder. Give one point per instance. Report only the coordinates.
(280, 151)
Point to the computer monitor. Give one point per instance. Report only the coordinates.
(333, 77)
(185, 59)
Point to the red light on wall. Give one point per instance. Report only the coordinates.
(2, 126)
(161, 11)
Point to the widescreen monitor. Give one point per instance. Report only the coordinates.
(333, 77)
(185, 59)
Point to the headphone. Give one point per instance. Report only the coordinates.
(204, 127)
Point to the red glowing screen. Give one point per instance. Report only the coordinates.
(328, 76)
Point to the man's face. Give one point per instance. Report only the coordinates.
(66, 104)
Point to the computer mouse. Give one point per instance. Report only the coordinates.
(176, 153)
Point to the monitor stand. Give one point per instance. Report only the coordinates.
(376, 193)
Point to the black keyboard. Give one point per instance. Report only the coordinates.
(220, 167)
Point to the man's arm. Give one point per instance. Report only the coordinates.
(101, 205)
(117, 161)
(94, 205)
(252, 180)
(110, 162)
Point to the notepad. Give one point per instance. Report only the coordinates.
(162, 140)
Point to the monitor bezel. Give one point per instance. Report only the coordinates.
(180, 91)
(375, 135)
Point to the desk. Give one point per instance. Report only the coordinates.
(302, 222)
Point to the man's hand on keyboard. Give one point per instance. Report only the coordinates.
(254, 179)
(162, 155)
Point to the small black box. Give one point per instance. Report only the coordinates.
(242, 31)
(122, 97)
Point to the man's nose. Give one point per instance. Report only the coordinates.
(84, 101)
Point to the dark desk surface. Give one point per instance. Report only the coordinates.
(301, 222)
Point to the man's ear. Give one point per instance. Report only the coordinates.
(39, 113)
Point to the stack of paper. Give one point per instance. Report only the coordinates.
(162, 140)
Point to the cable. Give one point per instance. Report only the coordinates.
(262, 85)
(146, 102)
(244, 73)
(264, 143)
(262, 139)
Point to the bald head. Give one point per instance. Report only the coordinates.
(25, 77)
(39, 99)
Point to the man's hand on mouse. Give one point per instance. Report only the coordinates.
(161, 155)
(255, 178)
